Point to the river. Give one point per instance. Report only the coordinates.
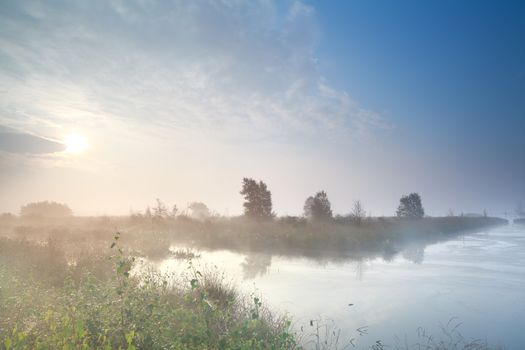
(473, 285)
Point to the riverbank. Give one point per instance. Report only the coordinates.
(48, 303)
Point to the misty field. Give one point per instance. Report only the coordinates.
(69, 283)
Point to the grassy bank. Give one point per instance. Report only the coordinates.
(47, 303)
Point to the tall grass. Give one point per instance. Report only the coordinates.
(47, 303)
(450, 339)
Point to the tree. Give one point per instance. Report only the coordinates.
(410, 207)
(258, 199)
(160, 211)
(358, 212)
(318, 207)
(520, 212)
(45, 209)
(174, 211)
(199, 211)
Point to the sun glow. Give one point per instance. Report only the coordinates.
(75, 143)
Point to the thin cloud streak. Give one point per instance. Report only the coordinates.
(24, 143)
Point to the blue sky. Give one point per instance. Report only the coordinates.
(449, 74)
(179, 100)
(433, 66)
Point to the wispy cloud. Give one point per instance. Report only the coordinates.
(23, 143)
(230, 68)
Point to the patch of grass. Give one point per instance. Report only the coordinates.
(449, 339)
(86, 311)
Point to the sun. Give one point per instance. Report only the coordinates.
(75, 143)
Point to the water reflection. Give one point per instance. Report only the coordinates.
(258, 264)
(255, 265)
(393, 287)
(414, 253)
(360, 268)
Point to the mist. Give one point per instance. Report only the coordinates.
(261, 175)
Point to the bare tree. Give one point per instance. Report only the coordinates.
(160, 211)
(520, 211)
(174, 211)
(358, 212)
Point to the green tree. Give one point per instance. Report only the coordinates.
(318, 207)
(199, 211)
(257, 199)
(410, 207)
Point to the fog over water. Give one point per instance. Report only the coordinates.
(476, 280)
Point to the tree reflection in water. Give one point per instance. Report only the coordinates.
(255, 265)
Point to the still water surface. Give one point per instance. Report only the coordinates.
(477, 279)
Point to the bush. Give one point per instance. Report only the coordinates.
(45, 209)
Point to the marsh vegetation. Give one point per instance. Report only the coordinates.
(50, 302)
(62, 286)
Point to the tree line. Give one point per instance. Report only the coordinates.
(258, 204)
